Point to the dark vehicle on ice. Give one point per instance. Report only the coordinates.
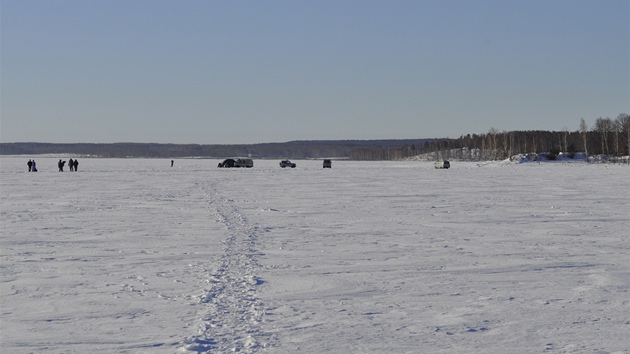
(287, 163)
(249, 163)
(327, 163)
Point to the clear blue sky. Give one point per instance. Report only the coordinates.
(224, 72)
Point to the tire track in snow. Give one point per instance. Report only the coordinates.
(234, 313)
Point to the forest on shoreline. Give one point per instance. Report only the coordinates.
(605, 137)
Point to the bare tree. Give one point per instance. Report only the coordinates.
(534, 144)
(492, 139)
(603, 127)
(564, 139)
(506, 148)
(584, 132)
(623, 121)
(616, 130)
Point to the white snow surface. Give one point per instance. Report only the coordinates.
(133, 256)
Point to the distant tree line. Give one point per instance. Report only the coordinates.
(606, 137)
(292, 149)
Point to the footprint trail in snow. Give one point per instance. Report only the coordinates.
(233, 312)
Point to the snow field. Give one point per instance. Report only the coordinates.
(133, 256)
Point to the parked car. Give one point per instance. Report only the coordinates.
(237, 163)
(227, 163)
(327, 163)
(442, 164)
(287, 163)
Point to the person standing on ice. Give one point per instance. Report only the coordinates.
(71, 165)
(60, 165)
(172, 162)
(76, 165)
(34, 168)
(30, 165)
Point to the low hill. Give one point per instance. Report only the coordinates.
(291, 149)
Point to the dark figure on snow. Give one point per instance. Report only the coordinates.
(34, 168)
(60, 165)
(30, 165)
(71, 165)
(172, 162)
(76, 165)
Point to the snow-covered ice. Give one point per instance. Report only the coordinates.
(133, 256)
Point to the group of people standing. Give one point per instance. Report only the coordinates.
(32, 166)
(73, 164)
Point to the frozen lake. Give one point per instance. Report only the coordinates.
(135, 256)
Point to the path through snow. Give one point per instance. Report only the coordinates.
(234, 312)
